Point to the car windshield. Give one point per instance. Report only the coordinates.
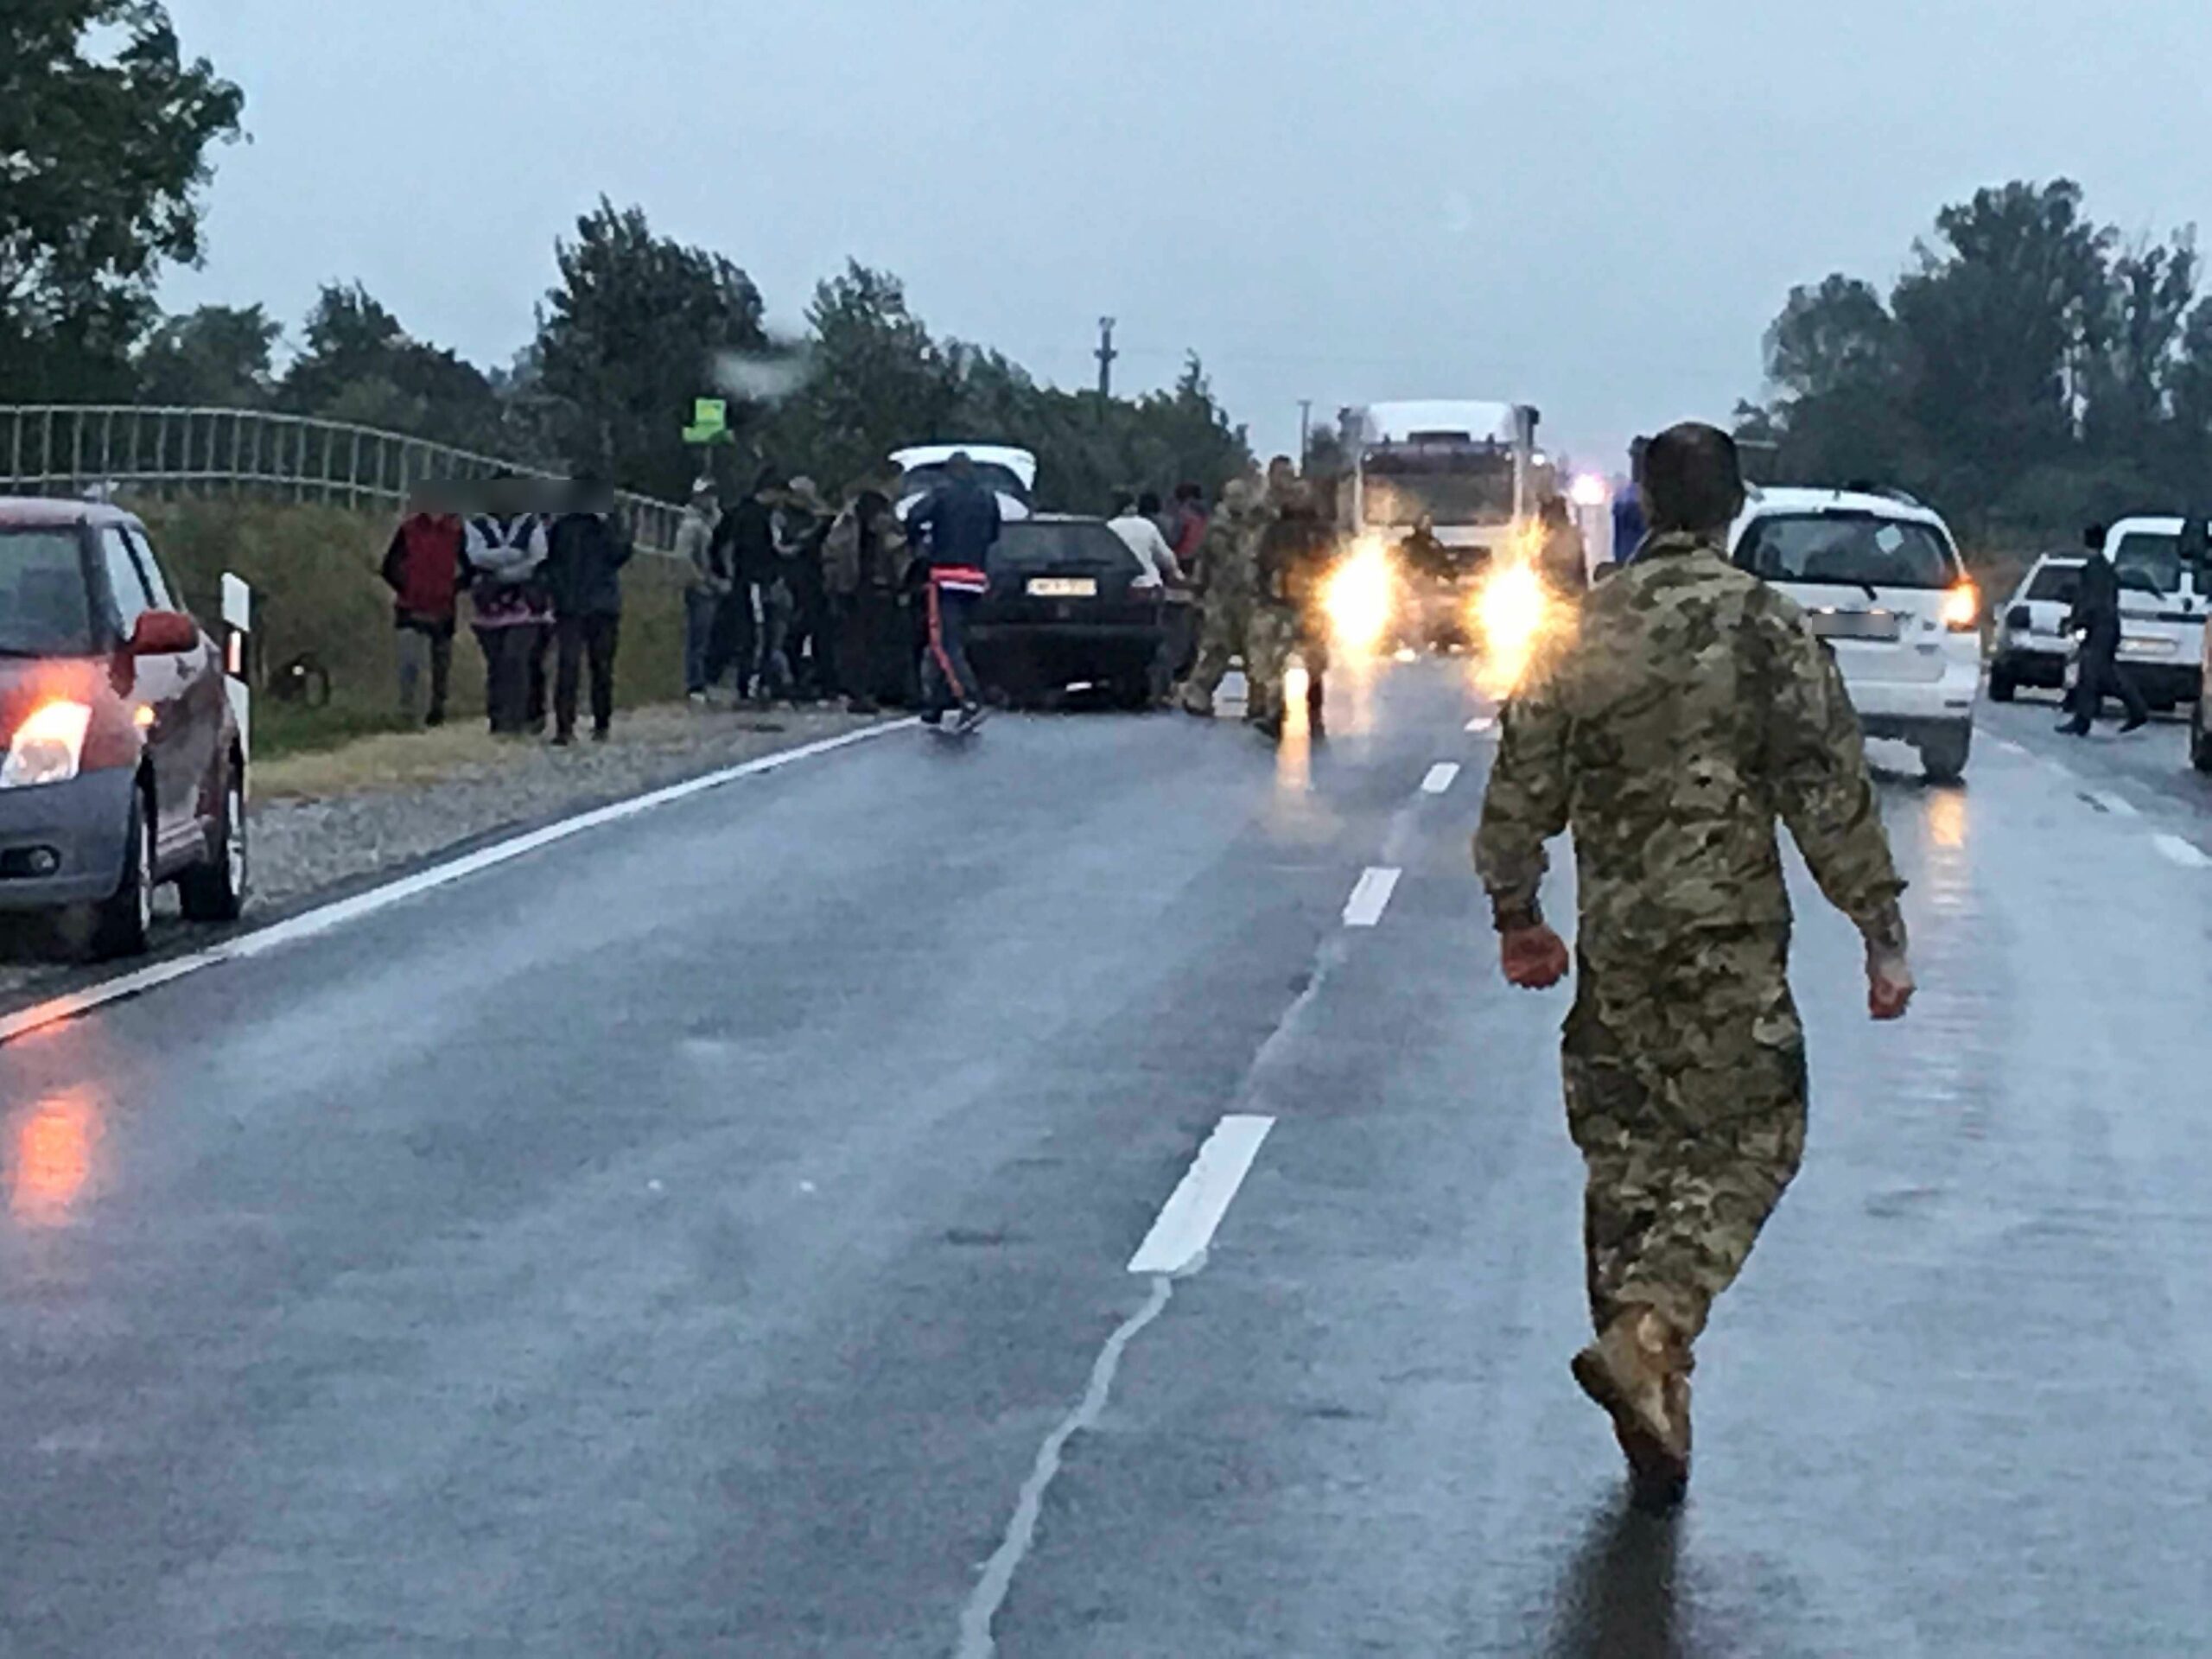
(1849, 550)
(922, 479)
(1471, 489)
(1031, 546)
(2055, 581)
(45, 605)
(2149, 560)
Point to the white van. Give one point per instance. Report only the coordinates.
(1884, 584)
(2163, 603)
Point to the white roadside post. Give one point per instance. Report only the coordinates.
(238, 624)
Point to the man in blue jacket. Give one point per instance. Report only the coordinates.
(953, 530)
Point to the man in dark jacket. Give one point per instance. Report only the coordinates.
(744, 549)
(2096, 618)
(954, 530)
(583, 571)
(423, 569)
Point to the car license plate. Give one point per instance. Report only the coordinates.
(1063, 588)
(2147, 646)
(1856, 624)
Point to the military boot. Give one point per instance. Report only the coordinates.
(1638, 1371)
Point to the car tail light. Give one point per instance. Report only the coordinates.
(1962, 609)
(2020, 617)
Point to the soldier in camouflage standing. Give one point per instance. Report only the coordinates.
(1684, 708)
(1227, 562)
(1294, 556)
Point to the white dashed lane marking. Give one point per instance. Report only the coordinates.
(1481, 722)
(1371, 896)
(1442, 776)
(1186, 1222)
(2187, 854)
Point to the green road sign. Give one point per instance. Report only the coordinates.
(709, 421)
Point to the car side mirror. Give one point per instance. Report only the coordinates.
(164, 634)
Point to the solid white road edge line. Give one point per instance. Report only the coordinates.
(1371, 896)
(2187, 854)
(1186, 1222)
(1442, 776)
(311, 923)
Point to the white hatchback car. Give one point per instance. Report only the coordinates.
(1884, 584)
(2033, 646)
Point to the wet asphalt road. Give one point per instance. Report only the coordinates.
(692, 1238)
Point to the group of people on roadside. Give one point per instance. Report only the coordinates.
(789, 598)
(540, 565)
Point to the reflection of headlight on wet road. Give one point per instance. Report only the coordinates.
(1511, 609)
(1358, 599)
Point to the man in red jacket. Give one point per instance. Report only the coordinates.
(423, 569)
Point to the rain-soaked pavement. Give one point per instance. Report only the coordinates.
(709, 1236)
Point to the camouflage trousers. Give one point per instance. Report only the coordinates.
(1686, 1095)
(1276, 631)
(1227, 632)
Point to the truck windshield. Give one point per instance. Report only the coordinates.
(1475, 491)
(45, 604)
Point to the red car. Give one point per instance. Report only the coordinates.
(125, 767)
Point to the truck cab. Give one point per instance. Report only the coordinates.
(1446, 485)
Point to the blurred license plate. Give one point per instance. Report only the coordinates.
(2146, 647)
(1063, 588)
(1855, 625)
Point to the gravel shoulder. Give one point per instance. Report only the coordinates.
(336, 818)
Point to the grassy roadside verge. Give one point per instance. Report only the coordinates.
(314, 572)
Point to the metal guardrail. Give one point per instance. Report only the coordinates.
(69, 448)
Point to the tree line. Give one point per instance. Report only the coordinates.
(2030, 372)
(105, 157)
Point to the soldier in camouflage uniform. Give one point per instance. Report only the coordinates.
(1227, 565)
(1293, 554)
(1684, 708)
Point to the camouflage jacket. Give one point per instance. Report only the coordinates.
(1228, 556)
(1683, 709)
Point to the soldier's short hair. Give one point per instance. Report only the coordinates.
(1692, 479)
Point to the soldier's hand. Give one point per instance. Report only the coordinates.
(1889, 985)
(1535, 958)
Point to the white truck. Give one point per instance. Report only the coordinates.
(1445, 484)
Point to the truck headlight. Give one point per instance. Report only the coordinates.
(48, 747)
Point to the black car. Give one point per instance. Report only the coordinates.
(1065, 609)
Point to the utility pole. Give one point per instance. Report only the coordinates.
(1305, 432)
(1106, 356)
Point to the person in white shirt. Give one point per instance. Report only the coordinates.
(1142, 538)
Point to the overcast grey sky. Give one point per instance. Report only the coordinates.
(1595, 206)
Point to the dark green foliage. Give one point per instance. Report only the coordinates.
(2029, 373)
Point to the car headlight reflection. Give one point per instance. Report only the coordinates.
(1358, 599)
(1512, 610)
(48, 747)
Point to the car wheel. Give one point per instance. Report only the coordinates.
(2200, 740)
(1943, 753)
(123, 922)
(2002, 686)
(215, 890)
